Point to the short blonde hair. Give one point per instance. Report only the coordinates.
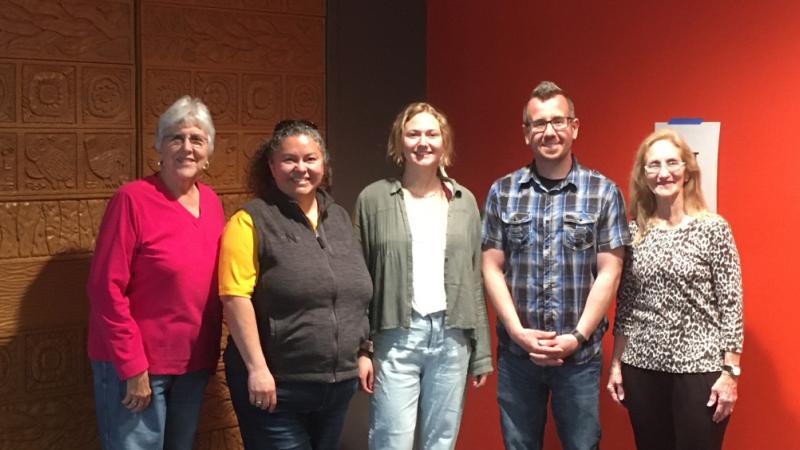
(642, 199)
(395, 144)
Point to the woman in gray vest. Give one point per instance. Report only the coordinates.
(421, 238)
(295, 292)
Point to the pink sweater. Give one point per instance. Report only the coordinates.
(152, 286)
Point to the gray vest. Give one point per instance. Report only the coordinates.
(313, 290)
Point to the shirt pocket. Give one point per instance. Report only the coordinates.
(518, 230)
(579, 230)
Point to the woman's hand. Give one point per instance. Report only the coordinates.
(480, 380)
(615, 384)
(138, 393)
(261, 386)
(724, 394)
(366, 374)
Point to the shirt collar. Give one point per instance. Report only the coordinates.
(529, 176)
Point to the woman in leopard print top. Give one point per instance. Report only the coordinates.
(678, 329)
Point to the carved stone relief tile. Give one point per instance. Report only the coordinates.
(262, 100)
(8, 163)
(162, 88)
(49, 163)
(48, 94)
(220, 92)
(180, 36)
(232, 202)
(12, 366)
(9, 242)
(223, 170)
(43, 228)
(149, 154)
(315, 7)
(62, 225)
(67, 30)
(53, 360)
(250, 144)
(8, 93)
(90, 215)
(50, 422)
(31, 235)
(107, 160)
(305, 98)
(106, 96)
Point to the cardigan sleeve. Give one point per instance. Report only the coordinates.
(481, 358)
(115, 251)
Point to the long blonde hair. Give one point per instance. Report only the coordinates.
(643, 201)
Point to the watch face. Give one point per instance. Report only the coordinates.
(733, 370)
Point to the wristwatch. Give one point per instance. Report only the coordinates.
(578, 336)
(732, 370)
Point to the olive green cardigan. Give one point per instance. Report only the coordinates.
(382, 226)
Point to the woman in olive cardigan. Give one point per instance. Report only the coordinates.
(421, 240)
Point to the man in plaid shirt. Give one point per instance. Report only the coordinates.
(553, 242)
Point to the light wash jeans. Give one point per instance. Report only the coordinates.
(523, 391)
(169, 422)
(423, 368)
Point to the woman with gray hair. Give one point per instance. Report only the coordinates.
(295, 292)
(154, 324)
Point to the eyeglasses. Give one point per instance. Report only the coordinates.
(559, 123)
(672, 165)
(195, 140)
(288, 123)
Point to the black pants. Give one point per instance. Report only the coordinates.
(668, 411)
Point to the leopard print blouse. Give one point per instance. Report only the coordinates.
(680, 298)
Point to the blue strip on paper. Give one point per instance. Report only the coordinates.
(685, 121)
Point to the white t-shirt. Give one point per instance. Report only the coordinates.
(427, 218)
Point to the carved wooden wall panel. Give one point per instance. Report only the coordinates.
(78, 112)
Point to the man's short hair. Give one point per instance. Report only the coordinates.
(545, 91)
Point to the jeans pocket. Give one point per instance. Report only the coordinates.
(579, 230)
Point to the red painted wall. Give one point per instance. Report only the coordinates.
(628, 64)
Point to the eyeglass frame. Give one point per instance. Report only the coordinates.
(544, 123)
(177, 140)
(651, 169)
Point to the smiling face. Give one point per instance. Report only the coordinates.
(298, 167)
(550, 144)
(184, 152)
(665, 184)
(422, 142)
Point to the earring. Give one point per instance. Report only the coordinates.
(159, 163)
(206, 165)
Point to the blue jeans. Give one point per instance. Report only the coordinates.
(307, 416)
(169, 422)
(523, 390)
(423, 368)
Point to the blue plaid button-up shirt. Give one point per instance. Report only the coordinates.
(551, 238)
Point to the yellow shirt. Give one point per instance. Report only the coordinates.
(238, 258)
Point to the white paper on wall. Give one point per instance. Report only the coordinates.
(703, 139)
